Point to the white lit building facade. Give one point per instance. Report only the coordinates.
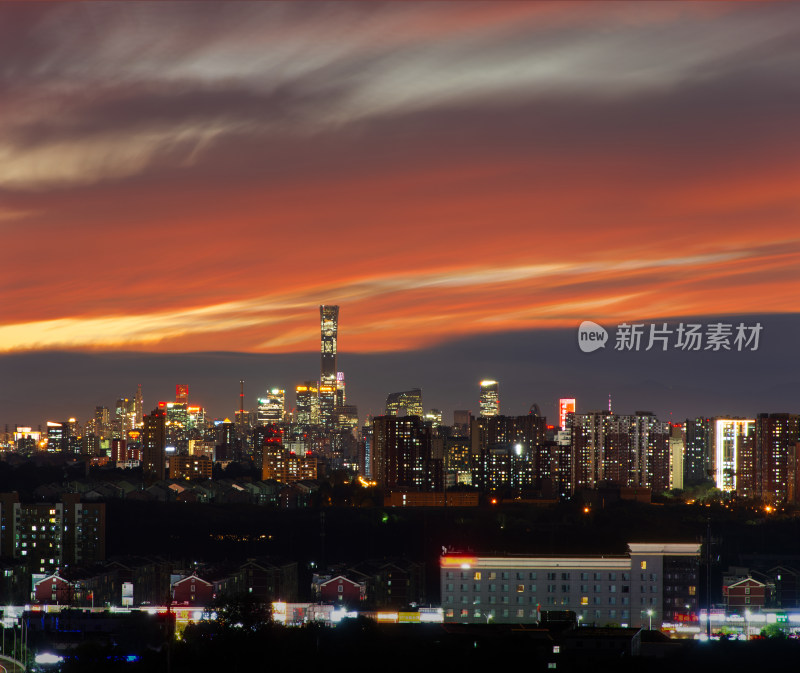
(653, 583)
(732, 436)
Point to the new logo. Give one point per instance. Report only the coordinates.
(591, 336)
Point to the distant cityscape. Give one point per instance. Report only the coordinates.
(412, 450)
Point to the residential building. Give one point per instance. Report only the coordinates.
(154, 445)
(401, 453)
(190, 467)
(746, 594)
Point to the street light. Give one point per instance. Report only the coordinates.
(650, 619)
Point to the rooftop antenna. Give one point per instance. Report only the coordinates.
(609, 403)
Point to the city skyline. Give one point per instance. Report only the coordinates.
(698, 383)
(183, 185)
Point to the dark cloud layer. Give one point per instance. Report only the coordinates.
(532, 367)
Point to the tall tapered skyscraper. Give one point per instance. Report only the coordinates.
(329, 325)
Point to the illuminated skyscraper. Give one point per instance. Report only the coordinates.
(329, 325)
(182, 393)
(490, 398)
(177, 421)
(410, 400)
(56, 439)
(434, 417)
(102, 422)
(138, 407)
(566, 405)
(733, 437)
(272, 407)
(125, 419)
(307, 403)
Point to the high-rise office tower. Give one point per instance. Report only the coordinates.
(125, 418)
(434, 417)
(177, 422)
(56, 437)
(182, 393)
(490, 398)
(329, 326)
(62, 436)
(154, 445)
(138, 407)
(307, 403)
(410, 400)
(102, 422)
(566, 405)
(271, 408)
(227, 443)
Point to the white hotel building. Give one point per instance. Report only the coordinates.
(651, 584)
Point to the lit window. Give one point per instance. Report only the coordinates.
(644, 565)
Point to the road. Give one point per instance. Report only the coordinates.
(8, 665)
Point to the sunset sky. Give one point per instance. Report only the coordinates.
(199, 177)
